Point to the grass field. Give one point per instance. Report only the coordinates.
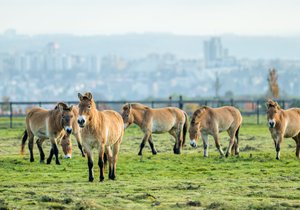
(255, 180)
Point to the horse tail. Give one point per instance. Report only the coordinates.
(237, 135)
(25, 136)
(185, 127)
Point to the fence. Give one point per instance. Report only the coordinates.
(12, 113)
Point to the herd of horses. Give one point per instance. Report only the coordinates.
(104, 130)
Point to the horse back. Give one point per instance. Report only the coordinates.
(163, 119)
(112, 125)
(36, 118)
(222, 118)
(290, 121)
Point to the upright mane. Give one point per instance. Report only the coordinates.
(271, 103)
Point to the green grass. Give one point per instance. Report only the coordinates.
(255, 180)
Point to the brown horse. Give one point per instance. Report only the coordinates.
(212, 121)
(161, 120)
(66, 142)
(47, 124)
(283, 124)
(100, 129)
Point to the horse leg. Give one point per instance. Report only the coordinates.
(280, 138)
(217, 142)
(154, 152)
(298, 149)
(90, 161)
(116, 149)
(49, 159)
(231, 142)
(178, 143)
(297, 141)
(78, 139)
(173, 133)
(30, 145)
(39, 143)
(205, 144)
(101, 161)
(145, 139)
(108, 153)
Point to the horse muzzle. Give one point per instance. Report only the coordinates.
(193, 143)
(68, 156)
(271, 123)
(68, 130)
(81, 121)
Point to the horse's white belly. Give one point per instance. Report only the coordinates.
(40, 131)
(160, 128)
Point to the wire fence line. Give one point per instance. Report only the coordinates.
(11, 111)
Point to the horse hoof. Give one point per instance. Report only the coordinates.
(140, 154)
(277, 158)
(48, 162)
(154, 153)
(42, 161)
(57, 163)
(101, 179)
(91, 179)
(31, 160)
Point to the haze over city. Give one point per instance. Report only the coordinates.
(147, 49)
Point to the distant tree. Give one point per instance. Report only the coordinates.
(273, 91)
(217, 85)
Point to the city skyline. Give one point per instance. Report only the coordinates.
(255, 18)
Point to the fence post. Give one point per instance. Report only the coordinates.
(10, 114)
(257, 112)
(180, 103)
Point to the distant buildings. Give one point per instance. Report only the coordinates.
(215, 55)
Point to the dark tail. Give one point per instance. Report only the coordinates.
(185, 127)
(237, 135)
(25, 135)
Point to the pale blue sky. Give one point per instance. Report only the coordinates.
(190, 17)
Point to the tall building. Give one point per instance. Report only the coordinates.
(215, 55)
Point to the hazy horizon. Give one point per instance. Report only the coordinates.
(191, 17)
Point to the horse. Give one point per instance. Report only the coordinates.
(100, 129)
(66, 142)
(159, 120)
(283, 124)
(47, 124)
(212, 121)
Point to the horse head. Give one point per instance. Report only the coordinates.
(86, 107)
(127, 115)
(194, 130)
(66, 116)
(273, 109)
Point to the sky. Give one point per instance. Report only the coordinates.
(182, 17)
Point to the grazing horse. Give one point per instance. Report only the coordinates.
(161, 120)
(283, 124)
(100, 129)
(66, 142)
(212, 121)
(47, 124)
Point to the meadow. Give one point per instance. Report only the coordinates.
(254, 180)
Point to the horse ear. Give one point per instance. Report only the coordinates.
(71, 107)
(277, 105)
(129, 106)
(80, 96)
(89, 95)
